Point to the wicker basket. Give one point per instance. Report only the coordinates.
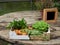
(44, 37)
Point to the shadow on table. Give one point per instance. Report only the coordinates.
(3, 42)
(55, 37)
(2, 28)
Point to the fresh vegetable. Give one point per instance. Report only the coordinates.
(20, 24)
(41, 26)
(33, 32)
(18, 32)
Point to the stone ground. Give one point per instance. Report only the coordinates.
(30, 17)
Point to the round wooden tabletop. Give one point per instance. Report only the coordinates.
(4, 34)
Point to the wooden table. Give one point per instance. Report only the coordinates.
(4, 34)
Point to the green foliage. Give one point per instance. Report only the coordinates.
(8, 7)
(56, 0)
(39, 5)
(57, 4)
(33, 32)
(20, 24)
(41, 26)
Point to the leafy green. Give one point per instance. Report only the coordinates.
(20, 24)
(41, 26)
(33, 32)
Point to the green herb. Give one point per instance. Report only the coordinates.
(20, 24)
(33, 32)
(41, 26)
